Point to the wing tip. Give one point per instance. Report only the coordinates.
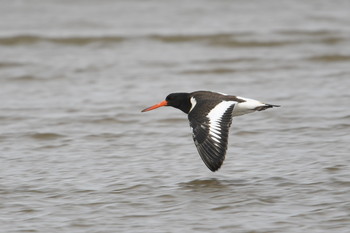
(214, 169)
(211, 157)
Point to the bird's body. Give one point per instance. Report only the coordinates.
(210, 116)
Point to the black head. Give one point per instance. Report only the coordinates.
(179, 100)
(176, 100)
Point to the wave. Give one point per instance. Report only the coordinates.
(229, 39)
(45, 136)
(234, 39)
(72, 40)
(10, 64)
(330, 58)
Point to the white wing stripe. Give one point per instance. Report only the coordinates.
(215, 116)
(216, 140)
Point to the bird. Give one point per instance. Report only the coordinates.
(210, 116)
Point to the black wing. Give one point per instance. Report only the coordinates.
(210, 134)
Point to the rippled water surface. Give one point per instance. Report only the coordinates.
(77, 155)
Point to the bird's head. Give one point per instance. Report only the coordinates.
(177, 100)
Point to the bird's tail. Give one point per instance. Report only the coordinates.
(266, 106)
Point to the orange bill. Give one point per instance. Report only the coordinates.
(161, 104)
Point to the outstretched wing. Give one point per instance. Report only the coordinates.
(210, 132)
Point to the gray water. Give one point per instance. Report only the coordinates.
(77, 155)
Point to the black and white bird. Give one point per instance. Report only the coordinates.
(210, 115)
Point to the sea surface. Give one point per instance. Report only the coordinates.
(77, 155)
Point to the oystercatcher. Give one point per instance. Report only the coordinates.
(210, 116)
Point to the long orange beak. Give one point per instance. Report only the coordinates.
(161, 104)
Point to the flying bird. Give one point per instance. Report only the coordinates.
(210, 116)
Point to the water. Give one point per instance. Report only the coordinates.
(77, 155)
